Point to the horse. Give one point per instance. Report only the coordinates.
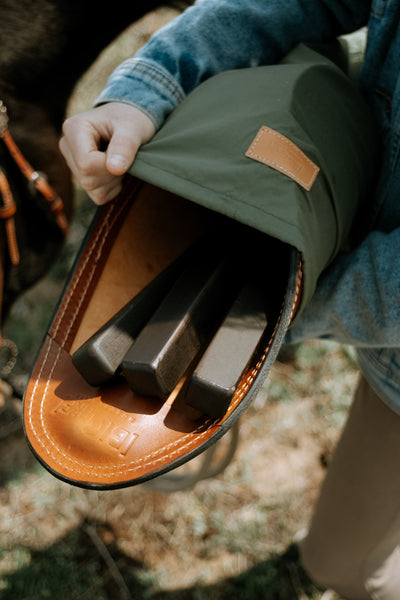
(46, 46)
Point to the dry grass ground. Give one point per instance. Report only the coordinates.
(227, 537)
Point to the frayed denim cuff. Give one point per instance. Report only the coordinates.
(145, 85)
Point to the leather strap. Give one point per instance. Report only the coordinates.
(56, 205)
(1, 294)
(7, 212)
(8, 207)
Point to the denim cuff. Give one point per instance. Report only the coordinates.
(145, 85)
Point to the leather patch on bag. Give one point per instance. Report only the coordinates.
(274, 149)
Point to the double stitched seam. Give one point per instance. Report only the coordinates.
(139, 463)
(179, 445)
(299, 285)
(71, 292)
(105, 226)
(155, 75)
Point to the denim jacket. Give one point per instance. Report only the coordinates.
(357, 300)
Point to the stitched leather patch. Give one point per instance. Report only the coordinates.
(274, 149)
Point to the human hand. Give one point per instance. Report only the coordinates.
(121, 129)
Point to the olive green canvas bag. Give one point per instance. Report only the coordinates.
(202, 153)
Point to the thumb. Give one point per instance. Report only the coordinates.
(130, 129)
(121, 152)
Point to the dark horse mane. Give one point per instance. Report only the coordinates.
(46, 45)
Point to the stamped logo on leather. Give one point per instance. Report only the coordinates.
(109, 427)
(277, 151)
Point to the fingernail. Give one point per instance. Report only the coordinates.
(117, 161)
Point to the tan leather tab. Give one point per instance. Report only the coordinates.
(274, 149)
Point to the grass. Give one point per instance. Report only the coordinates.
(65, 570)
(226, 538)
(71, 569)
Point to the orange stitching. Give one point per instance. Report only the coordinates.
(252, 154)
(57, 325)
(150, 458)
(142, 462)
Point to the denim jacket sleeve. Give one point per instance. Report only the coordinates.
(217, 35)
(357, 298)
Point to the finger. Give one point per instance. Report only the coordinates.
(98, 183)
(67, 154)
(89, 127)
(107, 191)
(83, 133)
(130, 129)
(86, 170)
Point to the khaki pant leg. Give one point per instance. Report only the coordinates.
(353, 543)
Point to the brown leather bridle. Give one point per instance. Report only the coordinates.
(8, 207)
